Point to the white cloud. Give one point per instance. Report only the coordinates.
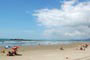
(71, 20)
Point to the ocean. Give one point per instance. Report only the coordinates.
(37, 42)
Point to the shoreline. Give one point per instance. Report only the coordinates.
(35, 43)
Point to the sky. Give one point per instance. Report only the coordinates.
(45, 19)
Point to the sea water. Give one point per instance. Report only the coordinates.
(36, 42)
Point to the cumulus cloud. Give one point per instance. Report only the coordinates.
(72, 20)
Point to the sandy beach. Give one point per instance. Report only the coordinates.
(50, 52)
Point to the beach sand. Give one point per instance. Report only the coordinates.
(50, 52)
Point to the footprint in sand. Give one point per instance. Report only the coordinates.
(83, 58)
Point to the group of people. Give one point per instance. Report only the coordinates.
(11, 52)
(84, 46)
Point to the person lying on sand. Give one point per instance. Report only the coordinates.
(10, 53)
(14, 52)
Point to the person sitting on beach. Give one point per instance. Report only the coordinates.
(14, 51)
(81, 48)
(85, 46)
(10, 53)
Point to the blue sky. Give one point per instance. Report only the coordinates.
(17, 18)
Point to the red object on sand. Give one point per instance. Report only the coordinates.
(15, 47)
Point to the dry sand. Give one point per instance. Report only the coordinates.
(50, 52)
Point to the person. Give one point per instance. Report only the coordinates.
(10, 53)
(81, 48)
(86, 45)
(14, 50)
